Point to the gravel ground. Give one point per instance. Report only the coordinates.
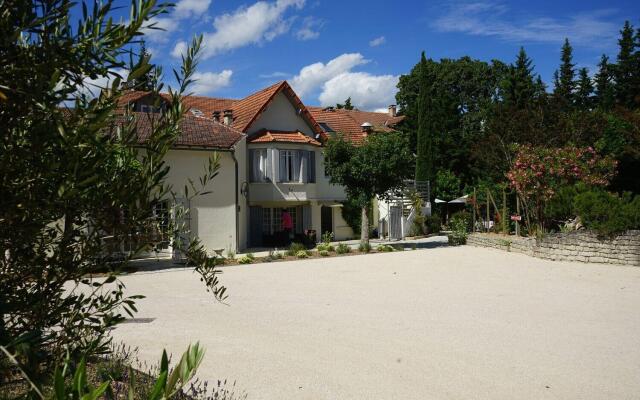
(438, 323)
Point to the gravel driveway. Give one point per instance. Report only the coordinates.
(439, 323)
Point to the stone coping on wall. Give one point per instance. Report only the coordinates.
(583, 246)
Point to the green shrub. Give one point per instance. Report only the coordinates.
(364, 247)
(324, 253)
(325, 247)
(294, 248)
(273, 256)
(433, 223)
(607, 213)
(385, 248)
(327, 237)
(457, 239)
(342, 248)
(303, 254)
(459, 224)
(247, 259)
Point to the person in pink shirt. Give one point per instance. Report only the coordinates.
(287, 225)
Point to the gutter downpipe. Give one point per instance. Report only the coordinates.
(236, 211)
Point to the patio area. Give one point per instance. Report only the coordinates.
(437, 323)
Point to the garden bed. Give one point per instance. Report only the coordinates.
(285, 255)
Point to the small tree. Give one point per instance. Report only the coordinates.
(375, 168)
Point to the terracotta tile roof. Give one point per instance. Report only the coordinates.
(245, 111)
(266, 136)
(205, 104)
(348, 122)
(194, 131)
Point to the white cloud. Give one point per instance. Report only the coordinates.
(495, 19)
(190, 8)
(309, 29)
(183, 9)
(262, 21)
(179, 49)
(208, 82)
(378, 41)
(315, 75)
(367, 91)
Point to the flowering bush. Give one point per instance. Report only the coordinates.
(538, 172)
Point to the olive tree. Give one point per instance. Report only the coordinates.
(377, 167)
(73, 170)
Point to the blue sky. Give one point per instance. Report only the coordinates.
(329, 50)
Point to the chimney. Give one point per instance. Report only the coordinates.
(366, 128)
(392, 110)
(216, 116)
(228, 117)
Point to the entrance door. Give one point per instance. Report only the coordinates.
(326, 219)
(255, 226)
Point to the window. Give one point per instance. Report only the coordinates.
(272, 219)
(147, 108)
(161, 220)
(326, 128)
(259, 165)
(289, 166)
(297, 166)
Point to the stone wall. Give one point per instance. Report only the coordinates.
(581, 246)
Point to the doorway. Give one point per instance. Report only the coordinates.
(326, 220)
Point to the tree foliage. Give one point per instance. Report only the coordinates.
(375, 168)
(75, 181)
(477, 111)
(346, 105)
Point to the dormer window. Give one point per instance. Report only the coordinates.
(148, 108)
(197, 112)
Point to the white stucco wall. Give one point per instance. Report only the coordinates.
(213, 217)
(282, 115)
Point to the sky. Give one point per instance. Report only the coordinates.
(330, 50)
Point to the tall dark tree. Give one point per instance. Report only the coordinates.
(626, 69)
(519, 87)
(425, 135)
(347, 104)
(148, 80)
(540, 89)
(565, 82)
(584, 93)
(604, 85)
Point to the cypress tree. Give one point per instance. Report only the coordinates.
(605, 90)
(585, 90)
(424, 158)
(625, 69)
(565, 79)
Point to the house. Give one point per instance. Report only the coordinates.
(270, 146)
